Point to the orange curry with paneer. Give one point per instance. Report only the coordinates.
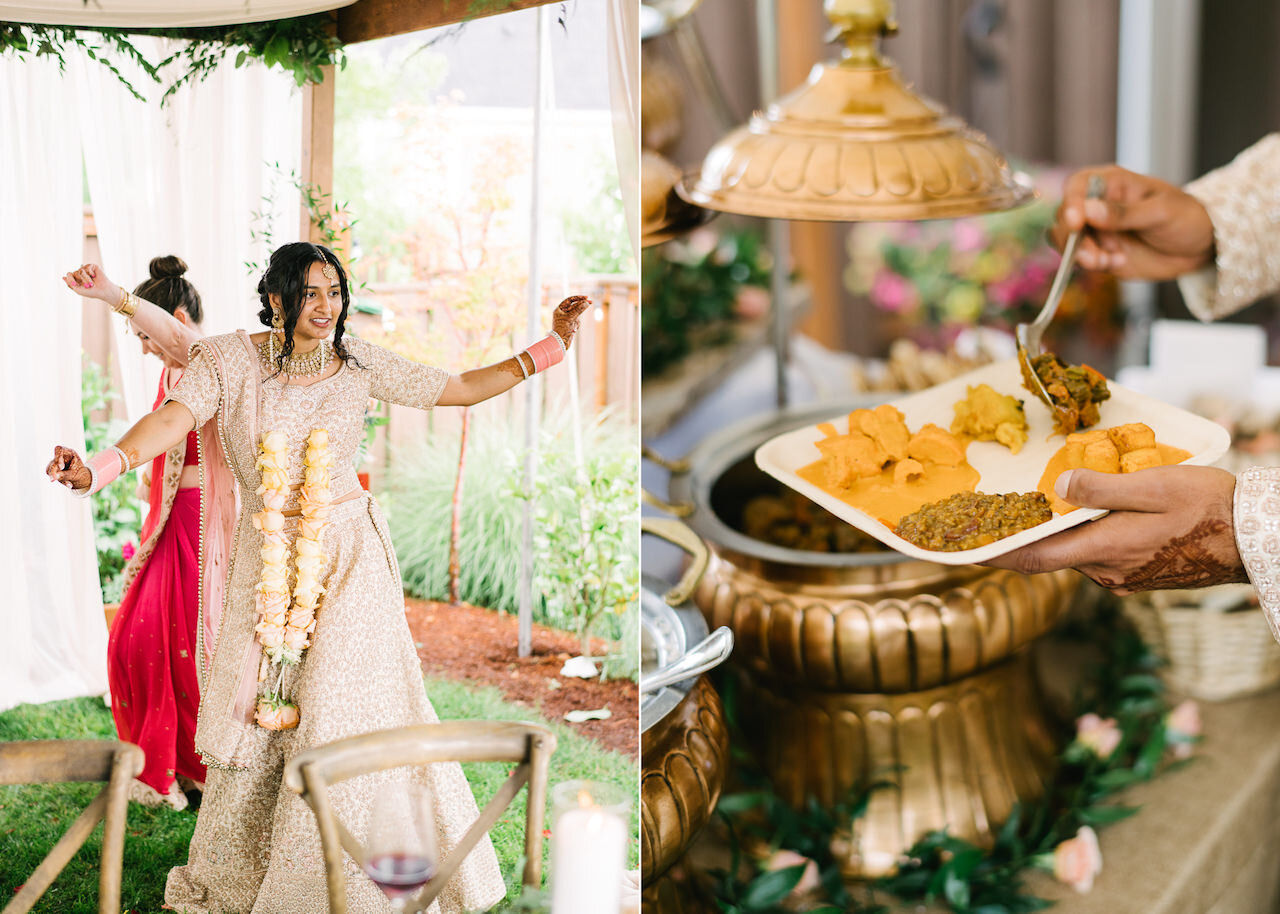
(880, 466)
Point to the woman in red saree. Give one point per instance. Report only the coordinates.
(151, 653)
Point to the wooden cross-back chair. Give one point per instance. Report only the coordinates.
(54, 761)
(310, 774)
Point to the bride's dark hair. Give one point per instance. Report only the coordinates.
(286, 276)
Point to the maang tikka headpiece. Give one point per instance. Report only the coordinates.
(330, 271)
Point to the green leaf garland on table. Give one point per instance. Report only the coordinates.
(1129, 735)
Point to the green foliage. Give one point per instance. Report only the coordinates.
(689, 293)
(597, 232)
(586, 530)
(421, 482)
(329, 219)
(117, 514)
(951, 871)
(591, 583)
(300, 46)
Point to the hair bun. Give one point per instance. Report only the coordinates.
(168, 267)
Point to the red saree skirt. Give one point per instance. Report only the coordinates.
(151, 654)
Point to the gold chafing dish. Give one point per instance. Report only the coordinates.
(864, 666)
(683, 731)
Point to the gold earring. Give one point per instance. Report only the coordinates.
(277, 320)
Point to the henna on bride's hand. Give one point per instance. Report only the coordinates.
(1183, 562)
(511, 367)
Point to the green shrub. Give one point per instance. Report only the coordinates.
(586, 556)
(419, 513)
(586, 534)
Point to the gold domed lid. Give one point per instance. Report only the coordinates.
(856, 144)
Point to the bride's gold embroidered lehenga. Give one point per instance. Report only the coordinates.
(256, 848)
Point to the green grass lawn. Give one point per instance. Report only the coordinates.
(33, 818)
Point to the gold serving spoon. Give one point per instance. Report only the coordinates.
(1028, 335)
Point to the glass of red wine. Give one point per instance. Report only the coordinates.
(400, 852)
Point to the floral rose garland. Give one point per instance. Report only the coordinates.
(285, 625)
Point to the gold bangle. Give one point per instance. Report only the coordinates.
(128, 305)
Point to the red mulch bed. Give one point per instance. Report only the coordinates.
(479, 645)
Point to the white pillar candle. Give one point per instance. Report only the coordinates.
(588, 853)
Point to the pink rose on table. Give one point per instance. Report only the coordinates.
(277, 715)
(1098, 734)
(809, 879)
(1183, 728)
(1078, 860)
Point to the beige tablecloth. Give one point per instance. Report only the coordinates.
(1207, 840)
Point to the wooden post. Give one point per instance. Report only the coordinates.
(316, 163)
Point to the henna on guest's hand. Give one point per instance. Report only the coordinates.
(66, 468)
(131, 454)
(1183, 562)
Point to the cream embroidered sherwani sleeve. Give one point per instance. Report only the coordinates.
(1243, 202)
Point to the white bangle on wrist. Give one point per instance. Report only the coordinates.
(124, 459)
(93, 484)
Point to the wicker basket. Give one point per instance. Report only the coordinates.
(1212, 653)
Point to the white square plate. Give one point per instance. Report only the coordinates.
(999, 470)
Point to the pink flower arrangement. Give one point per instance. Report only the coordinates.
(1099, 734)
(1077, 861)
(935, 278)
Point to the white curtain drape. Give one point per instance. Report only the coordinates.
(186, 179)
(53, 643)
(624, 99)
(160, 13)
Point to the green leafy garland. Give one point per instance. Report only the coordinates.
(301, 46)
(969, 879)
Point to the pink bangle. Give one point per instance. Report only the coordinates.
(546, 352)
(105, 469)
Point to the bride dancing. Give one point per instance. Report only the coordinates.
(291, 659)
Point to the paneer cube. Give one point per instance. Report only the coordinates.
(937, 445)
(1140, 459)
(851, 457)
(1101, 455)
(1132, 437)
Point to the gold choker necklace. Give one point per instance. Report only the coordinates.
(297, 366)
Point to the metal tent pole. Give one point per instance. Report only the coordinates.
(533, 387)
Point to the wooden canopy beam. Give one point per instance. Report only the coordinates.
(366, 20)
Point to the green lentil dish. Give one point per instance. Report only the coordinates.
(968, 520)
